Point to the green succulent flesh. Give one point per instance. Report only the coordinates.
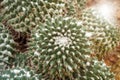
(105, 36)
(26, 14)
(60, 50)
(7, 46)
(61, 41)
(19, 74)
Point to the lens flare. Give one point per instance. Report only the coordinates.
(107, 10)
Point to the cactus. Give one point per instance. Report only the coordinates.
(105, 36)
(24, 15)
(75, 7)
(96, 70)
(7, 47)
(19, 74)
(56, 40)
(59, 50)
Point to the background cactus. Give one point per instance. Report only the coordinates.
(104, 35)
(74, 7)
(18, 74)
(96, 70)
(24, 15)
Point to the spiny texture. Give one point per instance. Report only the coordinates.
(74, 7)
(82, 4)
(7, 47)
(59, 44)
(20, 38)
(20, 59)
(55, 1)
(24, 15)
(96, 70)
(59, 51)
(105, 36)
(19, 74)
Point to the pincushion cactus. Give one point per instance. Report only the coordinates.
(59, 45)
(19, 74)
(59, 50)
(104, 35)
(57, 39)
(24, 15)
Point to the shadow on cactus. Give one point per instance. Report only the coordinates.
(20, 38)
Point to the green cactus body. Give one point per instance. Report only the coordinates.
(75, 7)
(59, 50)
(82, 4)
(55, 1)
(96, 70)
(19, 74)
(7, 47)
(105, 36)
(60, 46)
(26, 14)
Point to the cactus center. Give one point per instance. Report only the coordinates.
(63, 41)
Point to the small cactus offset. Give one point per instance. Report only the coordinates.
(57, 40)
